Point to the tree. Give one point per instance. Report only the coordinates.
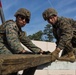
(45, 35)
(36, 36)
(48, 33)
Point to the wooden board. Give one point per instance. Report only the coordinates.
(14, 63)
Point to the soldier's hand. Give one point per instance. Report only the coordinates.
(58, 49)
(44, 52)
(40, 52)
(26, 52)
(23, 51)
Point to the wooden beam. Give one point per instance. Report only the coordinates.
(14, 63)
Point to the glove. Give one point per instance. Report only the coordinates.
(55, 54)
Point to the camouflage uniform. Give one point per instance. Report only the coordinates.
(11, 37)
(64, 30)
(65, 33)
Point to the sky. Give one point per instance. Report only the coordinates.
(66, 8)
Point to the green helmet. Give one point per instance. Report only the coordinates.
(49, 12)
(24, 12)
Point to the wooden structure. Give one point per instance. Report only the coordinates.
(14, 63)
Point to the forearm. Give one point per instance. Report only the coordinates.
(28, 43)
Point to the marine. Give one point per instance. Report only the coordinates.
(12, 35)
(64, 30)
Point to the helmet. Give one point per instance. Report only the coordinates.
(49, 12)
(24, 12)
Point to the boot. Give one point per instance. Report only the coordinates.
(55, 55)
(68, 57)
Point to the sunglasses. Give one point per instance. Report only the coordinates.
(22, 17)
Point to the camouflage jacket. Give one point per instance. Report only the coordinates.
(64, 31)
(12, 35)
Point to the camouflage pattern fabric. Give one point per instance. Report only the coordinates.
(49, 12)
(24, 12)
(27, 42)
(11, 36)
(65, 31)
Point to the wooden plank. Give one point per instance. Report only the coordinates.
(14, 63)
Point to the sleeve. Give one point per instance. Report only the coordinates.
(28, 43)
(12, 38)
(66, 35)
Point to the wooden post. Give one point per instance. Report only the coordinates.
(14, 63)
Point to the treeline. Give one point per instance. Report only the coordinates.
(45, 35)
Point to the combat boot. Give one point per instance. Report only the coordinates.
(68, 57)
(55, 55)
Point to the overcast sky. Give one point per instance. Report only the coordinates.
(66, 8)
